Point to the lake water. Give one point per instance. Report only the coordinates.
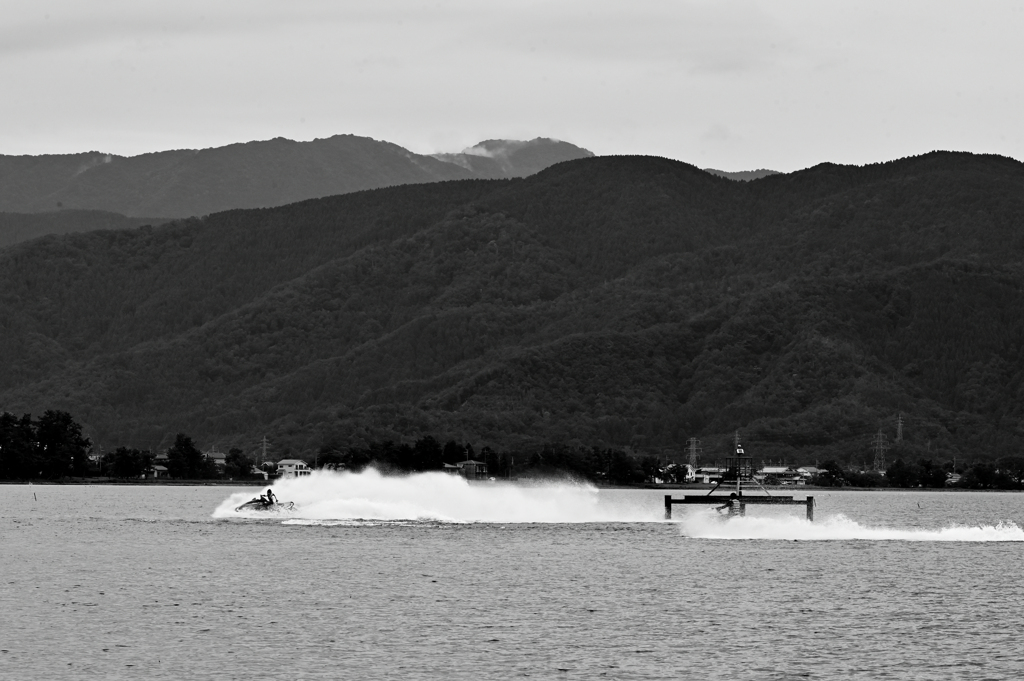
(429, 577)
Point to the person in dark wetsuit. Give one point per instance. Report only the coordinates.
(271, 500)
(733, 505)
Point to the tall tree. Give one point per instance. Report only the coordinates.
(1013, 467)
(428, 454)
(237, 465)
(18, 460)
(184, 460)
(127, 462)
(60, 446)
(453, 452)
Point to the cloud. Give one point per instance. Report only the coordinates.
(478, 151)
(749, 83)
(691, 37)
(67, 25)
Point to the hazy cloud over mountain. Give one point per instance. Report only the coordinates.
(781, 85)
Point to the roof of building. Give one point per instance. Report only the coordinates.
(291, 462)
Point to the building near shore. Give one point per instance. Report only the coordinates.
(469, 469)
(293, 468)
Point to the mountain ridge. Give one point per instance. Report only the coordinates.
(607, 301)
(195, 182)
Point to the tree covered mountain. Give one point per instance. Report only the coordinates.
(275, 172)
(612, 301)
(742, 175)
(15, 227)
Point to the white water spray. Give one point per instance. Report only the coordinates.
(836, 528)
(328, 497)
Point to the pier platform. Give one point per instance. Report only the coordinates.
(739, 503)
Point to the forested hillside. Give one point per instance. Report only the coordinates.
(742, 175)
(15, 227)
(191, 182)
(627, 302)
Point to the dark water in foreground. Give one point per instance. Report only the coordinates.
(558, 582)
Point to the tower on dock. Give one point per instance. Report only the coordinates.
(739, 467)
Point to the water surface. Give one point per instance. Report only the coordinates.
(379, 578)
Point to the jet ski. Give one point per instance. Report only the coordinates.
(262, 503)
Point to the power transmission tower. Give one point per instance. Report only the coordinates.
(881, 445)
(899, 428)
(695, 452)
(263, 452)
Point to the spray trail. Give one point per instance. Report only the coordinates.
(328, 497)
(837, 528)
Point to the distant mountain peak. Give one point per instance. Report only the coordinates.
(499, 158)
(506, 147)
(742, 175)
(254, 174)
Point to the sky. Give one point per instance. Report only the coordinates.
(733, 85)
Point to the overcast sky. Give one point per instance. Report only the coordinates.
(731, 85)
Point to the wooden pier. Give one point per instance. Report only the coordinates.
(738, 503)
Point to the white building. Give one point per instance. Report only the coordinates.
(292, 468)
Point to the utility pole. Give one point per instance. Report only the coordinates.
(881, 445)
(899, 428)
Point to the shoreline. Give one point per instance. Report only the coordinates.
(144, 483)
(807, 488)
(669, 487)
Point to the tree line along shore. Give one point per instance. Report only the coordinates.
(53, 448)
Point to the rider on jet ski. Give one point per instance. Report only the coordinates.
(266, 502)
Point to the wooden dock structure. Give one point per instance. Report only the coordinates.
(738, 502)
(739, 470)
